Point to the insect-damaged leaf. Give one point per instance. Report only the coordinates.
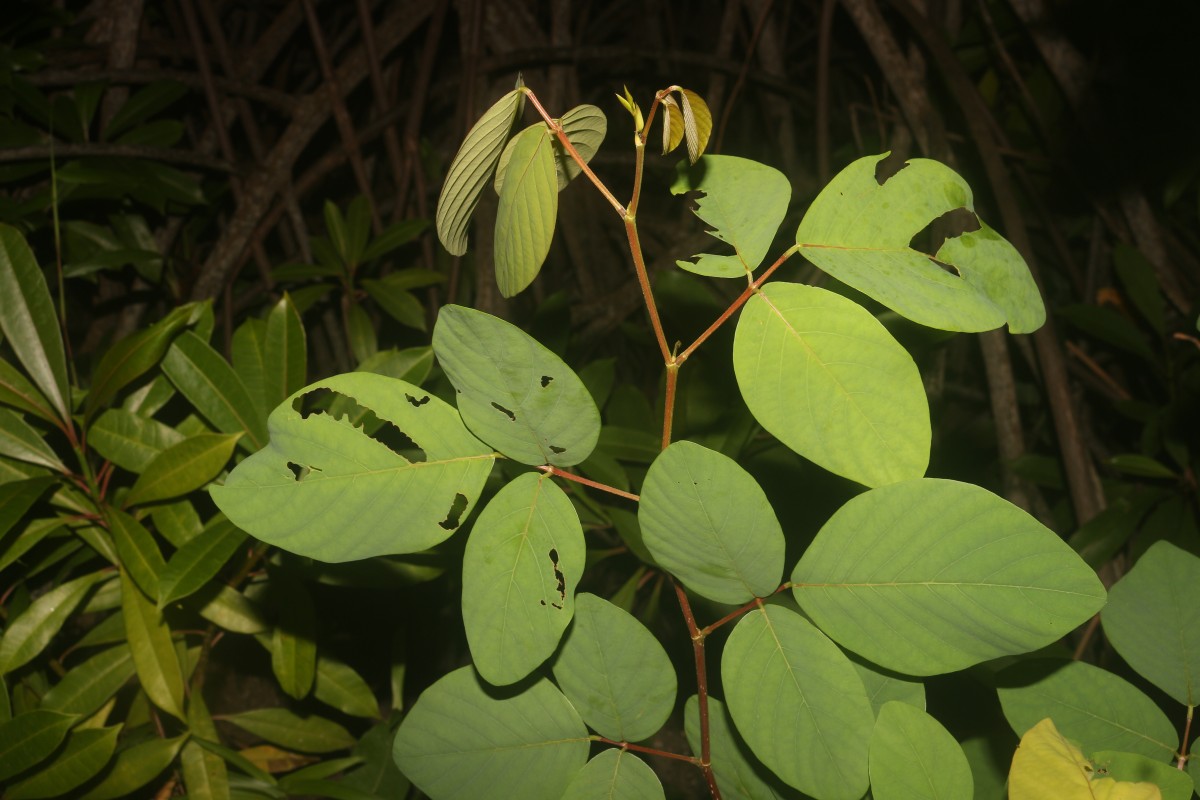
(514, 393)
(861, 233)
(522, 563)
(325, 489)
(527, 211)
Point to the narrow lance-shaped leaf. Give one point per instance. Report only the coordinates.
(134, 767)
(293, 643)
(211, 385)
(129, 440)
(860, 231)
(183, 467)
(20, 440)
(28, 738)
(286, 353)
(17, 497)
(29, 633)
(22, 395)
(139, 553)
(28, 321)
(309, 734)
(198, 561)
(527, 212)
(90, 685)
(204, 773)
(471, 168)
(339, 686)
(931, 576)
(325, 489)
(86, 752)
(153, 652)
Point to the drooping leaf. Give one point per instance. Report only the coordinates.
(861, 232)
(1047, 765)
(154, 654)
(213, 388)
(828, 380)
(739, 775)
(308, 734)
(85, 754)
(1089, 705)
(28, 321)
(198, 561)
(584, 125)
(798, 703)
(465, 740)
(931, 576)
(131, 357)
(129, 440)
(615, 672)
(1174, 783)
(19, 440)
(89, 686)
(295, 493)
(471, 168)
(285, 353)
(1153, 620)
(615, 774)
(527, 211)
(135, 767)
(339, 686)
(183, 467)
(514, 393)
(743, 202)
(523, 561)
(18, 392)
(139, 553)
(707, 521)
(28, 738)
(913, 756)
(28, 634)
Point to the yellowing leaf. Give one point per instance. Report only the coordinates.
(1048, 767)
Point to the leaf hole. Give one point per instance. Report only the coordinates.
(414, 402)
(505, 411)
(559, 578)
(886, 168)
(953, 223)
(454, 516)
(556, 449)
(300, 472)
(546, 380)
(344, 407)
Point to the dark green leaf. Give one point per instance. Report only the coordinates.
(22, 395)
(129, 440)
(395, 235)
(86, 753)
(198, 561)
(131, 357)
(212, 386)
(29, 633)
(28, 738)
(89, 686)
(154, 654)
(20, 440)
(310, 734)
(339, 686)
(135, 767)
(183, 468)
(285, 352)
(17, 497)
(400, 304)
(144, 104)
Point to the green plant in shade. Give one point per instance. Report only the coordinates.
(913, 577)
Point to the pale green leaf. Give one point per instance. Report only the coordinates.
(798, 703)
(615, 774)
(137, 549)
(29, 633)
(154, 654)
(1153, 620)
(463, 740)
(931, 576)
(213, 388)
(584, 125)
(18, 392)
(198, 561)
(1175, 784)
(523, 560)
(411, 364)
(697, 123)
(1090, 706)
(204, 772)
(860, 232)
(28, 321)
(85, 754)
(829, 381)
(131, 357)
(615, 672)
(324, 489)
(20, 440)
(28, 738)
(228, 608)
(739, 775)
(308, 734)
(912, 756)
(471, 168)
(135, 767)
(514, 393)
(527, 211)
(339, 686)
(183, 468)
(89, 686)
(129, 440)
(883, 686)
(743, 202)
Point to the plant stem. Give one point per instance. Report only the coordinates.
(647, 750)
(669, 401)
(701, 688)
(639, 265)
(604, 487)
(1181, 761)
(755, 603)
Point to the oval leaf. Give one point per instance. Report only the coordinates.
(615, 774)
(514, 393)
(527, 211)
(339, 686)
(615, 672)
(584, 125)
(1172, 782)
(828, 380)
(408, 488)
(706, 521)
(913, 756)
(931, 576)
(183, 467)
(523, 560)
(860, 232)
(798, 703)
(465, 740)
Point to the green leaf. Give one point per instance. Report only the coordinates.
(28, 738)
(86, 753)
(129, 440)
(231, 610)
(22, 395)
(286, 353)
(144, 104)
(183, 468)
(412, 364)
(798, 703)
(135, 767)
(1153, 620)
(1090, 706)
(883, 686)
(177, 522)
(828, 380)
(131, 357)
(465, 740)
(615, 672)
(523, 561)
(584, 125)
(706, 521)
(739, 775)
(860, 232)
(913, 756)
(204, 772)
(339, 686)
(293, 643)
(198, 562)
(400, 304)
(395, 235)
(615, 774)
(308, 734)
(29, 633)
(527, 211)
(28, 321)
(154, 654)
(931, 576)
(514, 393)
(17, 497)
(19, 440)
(34, 532)
(743, 202)
(139, 553)
(1173, 783)
(211, 385)
(379, 773)
(1141, 466)
(402, 503)
(335, 226)
(1138, 277)
(89, 686)
(471, 168)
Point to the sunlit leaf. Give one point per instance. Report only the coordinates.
(527, 211)
(913, 756)
(1047, 765)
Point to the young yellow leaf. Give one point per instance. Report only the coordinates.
(1048, 766)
